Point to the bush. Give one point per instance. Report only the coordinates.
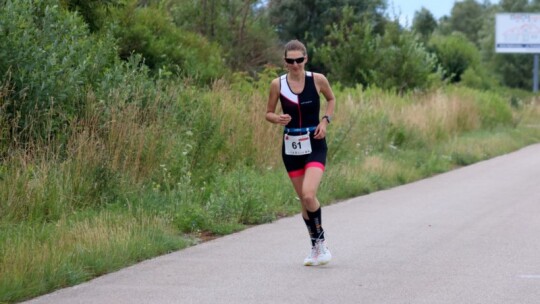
(478, 78)
(241, 28)
(402, 63)
(493, 109)
(455, 53)
(165, 47)
(52, 61)
(349, 51)
(395, 60)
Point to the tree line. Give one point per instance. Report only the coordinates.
(54, 52)
(353, 41)
(193, 38)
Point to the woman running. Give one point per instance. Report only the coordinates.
(304, 144)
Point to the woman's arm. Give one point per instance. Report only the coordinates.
(273, 98)
(326, 90)
(323, 86)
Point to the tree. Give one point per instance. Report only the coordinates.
(298, 19)
(455, 54)
(515, 5)
(149, 31)
(403, 61)
(467, 17)
(90, 10)
(241, 27)
(395, 60)
(535, 5)
(310, 21)
(424, 23)
(51, 58)
(349, 50)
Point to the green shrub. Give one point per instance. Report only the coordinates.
(349, 52)
(395, 60)
(91, 10)
(150, 32)
(455, 54)
(51, 60)
(493, 109)
(402, 62)
(473, 79)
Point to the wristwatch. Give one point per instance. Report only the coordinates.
(327, 118)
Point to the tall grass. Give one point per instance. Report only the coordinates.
(136, 178)
(39, 258)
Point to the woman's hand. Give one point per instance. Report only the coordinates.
(320, 132)
(284, 119)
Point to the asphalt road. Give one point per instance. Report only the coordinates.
(468, 236)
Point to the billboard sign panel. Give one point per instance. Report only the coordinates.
(517, 33)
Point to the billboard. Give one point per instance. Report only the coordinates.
(517, 33)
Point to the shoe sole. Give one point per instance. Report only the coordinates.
(317, 263)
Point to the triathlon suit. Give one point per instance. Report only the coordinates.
(304, 110)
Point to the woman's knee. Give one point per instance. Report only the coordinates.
(309, 200)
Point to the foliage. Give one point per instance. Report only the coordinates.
(395, 60)
(148, 31)
(493, 110)
(51, 60)
(424, 23)
(240, 27)
(403, 62)
(349, 51)
(475, 20)
(310, 21)
(467, 17)
(514, 5)
(478, 78)
(297, 19)
(455, 55)
(90, 10)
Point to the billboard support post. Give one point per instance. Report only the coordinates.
(535, 74)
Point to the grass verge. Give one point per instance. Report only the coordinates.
(135, 182)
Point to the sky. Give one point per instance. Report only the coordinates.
(406, 8)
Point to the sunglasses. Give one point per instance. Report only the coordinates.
(293, 60)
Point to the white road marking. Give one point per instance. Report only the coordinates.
(529, 276)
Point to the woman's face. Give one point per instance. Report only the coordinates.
(295, 60)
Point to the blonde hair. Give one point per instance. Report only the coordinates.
(295, 45)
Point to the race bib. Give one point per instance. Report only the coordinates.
(297, 145)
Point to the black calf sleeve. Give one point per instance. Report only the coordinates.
(310, 231)
(316, 224)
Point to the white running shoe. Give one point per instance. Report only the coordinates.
(311, 259)
(320, 255)
(324, 256)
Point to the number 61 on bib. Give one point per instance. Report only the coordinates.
(297, 145)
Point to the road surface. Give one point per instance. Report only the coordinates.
(468, 236)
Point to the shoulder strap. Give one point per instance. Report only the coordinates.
(285, 90)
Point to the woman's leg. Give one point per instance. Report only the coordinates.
(310, 185)
(306, 188)
(297, 184)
